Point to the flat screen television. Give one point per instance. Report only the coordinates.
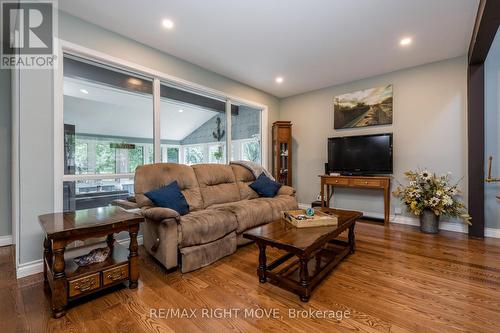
(360, 155)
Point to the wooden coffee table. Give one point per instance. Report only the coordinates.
(311, 252)
(66, 280)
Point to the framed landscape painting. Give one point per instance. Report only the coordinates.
(362, 108)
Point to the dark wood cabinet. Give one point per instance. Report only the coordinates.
(282, 152)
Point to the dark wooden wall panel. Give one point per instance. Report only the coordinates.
(475, 131)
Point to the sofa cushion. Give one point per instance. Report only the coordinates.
(243, 179)
(169, 196)
(153, 176)
(249, 213)
(217, 183)
(205, 226)
(265, 186)
(279, 204)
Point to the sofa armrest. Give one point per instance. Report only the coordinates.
(125, 204)
(159, 213)
(286, 190)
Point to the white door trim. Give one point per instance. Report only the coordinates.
(15, 185)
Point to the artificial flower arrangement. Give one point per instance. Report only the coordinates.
(426, 191)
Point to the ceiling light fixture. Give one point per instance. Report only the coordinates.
(279, 79)
(133, 81)
(181, 110)
(167, 24)
(84, 91)
(405, 41)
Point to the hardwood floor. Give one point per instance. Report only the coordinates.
(399, 280)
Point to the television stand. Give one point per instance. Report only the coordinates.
(365, 182)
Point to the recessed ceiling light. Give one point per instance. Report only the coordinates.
(84, 91)
(133, 81)
(181, 110)
(167, 24)
(405, 41)
(279, 79)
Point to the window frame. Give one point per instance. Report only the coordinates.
(158, 77)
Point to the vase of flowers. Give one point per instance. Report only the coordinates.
(429, 197)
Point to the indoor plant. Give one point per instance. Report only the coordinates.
(429, 197)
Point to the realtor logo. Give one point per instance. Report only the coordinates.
(28, 34)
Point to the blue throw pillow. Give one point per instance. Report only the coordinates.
(265, 187)
(169, 196)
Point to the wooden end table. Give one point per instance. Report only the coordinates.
(68, 281)
(311, 252)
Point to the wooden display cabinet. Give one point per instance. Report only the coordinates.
(282, 152)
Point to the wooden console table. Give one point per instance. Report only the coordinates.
(68, 281)
(378, 182)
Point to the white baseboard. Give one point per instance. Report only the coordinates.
(491, 232)
(29, 268)
(36, 266)
(449, 226)
(408, 220)
(5, 240)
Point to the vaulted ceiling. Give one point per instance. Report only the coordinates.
(310, 43)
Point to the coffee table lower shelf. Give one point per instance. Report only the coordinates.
(288, 271)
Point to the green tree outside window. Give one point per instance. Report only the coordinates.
(135, 158)
(173, 155)
(105, 159)
(251, 151)
(81, 158)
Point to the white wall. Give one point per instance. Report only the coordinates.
(36, 118)
(429, 129)
(5, 151)
(492, 131)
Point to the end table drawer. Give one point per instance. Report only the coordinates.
(83, 285)
(115, 274)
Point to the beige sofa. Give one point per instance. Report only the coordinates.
(221, 207)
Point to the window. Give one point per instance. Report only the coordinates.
(193, 155)
(169, 154)
(82, 157)
(195, 124)
(108, 130)
(217, 153)
(91, 193)
(246, 134)
(105, 159)
(108, 122)
(251, 151)
(135, 158)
